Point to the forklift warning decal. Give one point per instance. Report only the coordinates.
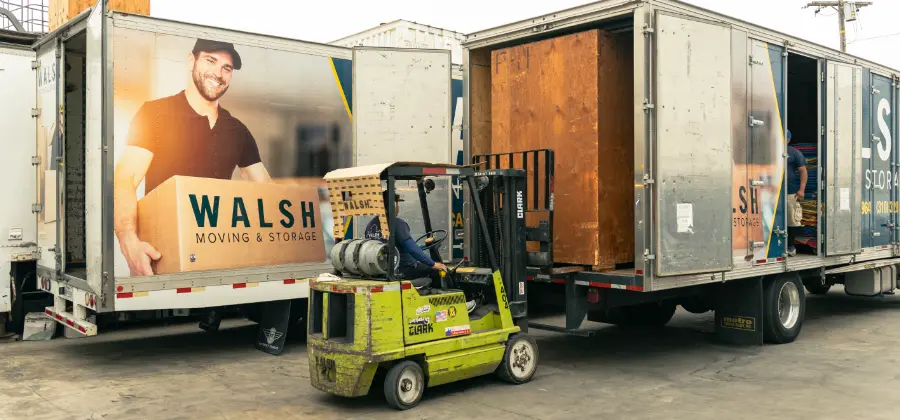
(457, 330)
(739, 323)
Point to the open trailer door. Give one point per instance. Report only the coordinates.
(402, 112)
(693, 150)
(843, 158)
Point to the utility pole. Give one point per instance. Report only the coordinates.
(840, 5)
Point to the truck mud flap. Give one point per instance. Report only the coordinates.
(273, 327)
(739, 312)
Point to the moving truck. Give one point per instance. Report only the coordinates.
(17, 243)
(656, 136)
(183, 169)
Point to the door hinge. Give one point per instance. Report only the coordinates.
(648, 256)
(647, 179)
(35, 65)
(876, 234)
(36, 208)
(755, 122)
(756, 183)
(822, 131)
(647, 29)
(648, 105)
(875, 91)
(780, 232)
(756, 62)
(35, 112)
(876, 139)
(755, 245)
(35, 160)
(822, 76)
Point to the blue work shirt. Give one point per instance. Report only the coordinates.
(795, 160)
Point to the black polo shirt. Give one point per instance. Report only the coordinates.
(183, 144)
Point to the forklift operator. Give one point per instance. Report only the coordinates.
(414, 264)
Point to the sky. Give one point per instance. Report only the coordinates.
(874, 36)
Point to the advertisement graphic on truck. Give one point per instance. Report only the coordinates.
(219, 153)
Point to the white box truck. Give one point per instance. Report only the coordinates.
(17, 228)
(715, 111)
(176, 174)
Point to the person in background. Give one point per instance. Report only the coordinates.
(796, 186)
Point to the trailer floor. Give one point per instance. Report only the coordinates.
(845, 365)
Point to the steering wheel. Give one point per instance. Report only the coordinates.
(433, 244)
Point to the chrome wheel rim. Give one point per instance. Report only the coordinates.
(409, 386)
(788, 305)
(522, 359)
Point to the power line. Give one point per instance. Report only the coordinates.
(840, 5)
(876, 37)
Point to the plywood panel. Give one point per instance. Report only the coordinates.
(616, 140)
(544, 95)
(480, 102)
(61, 11)
(573, 94)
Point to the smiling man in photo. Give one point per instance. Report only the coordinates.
(186, 134)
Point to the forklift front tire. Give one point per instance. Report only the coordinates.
(404, 385)
(520, 359)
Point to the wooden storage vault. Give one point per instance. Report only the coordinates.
(572, 94)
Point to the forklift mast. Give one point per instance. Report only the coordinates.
(511, 186)
(499, 231)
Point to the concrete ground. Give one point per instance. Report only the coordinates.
(844, 365)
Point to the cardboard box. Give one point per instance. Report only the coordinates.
(208, 224)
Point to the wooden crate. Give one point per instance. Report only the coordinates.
(61, 11)
(574, 94)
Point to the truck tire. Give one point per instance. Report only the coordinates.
(814, 286)
(520, 360)
(404, 385)
(651, 314)
(784, 308)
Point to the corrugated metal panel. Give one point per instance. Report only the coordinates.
(406, 34)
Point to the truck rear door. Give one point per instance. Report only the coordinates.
(402, 112)
(693, 150)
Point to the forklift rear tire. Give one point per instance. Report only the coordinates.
(520, 359)
(404, 385)
(784, 308)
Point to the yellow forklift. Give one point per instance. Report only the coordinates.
(367, 325)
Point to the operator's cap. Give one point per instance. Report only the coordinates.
(397, 197)
(209, 46)
(788, 133)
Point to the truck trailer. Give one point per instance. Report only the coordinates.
(17, 245)
(642, 123)
(184, 168)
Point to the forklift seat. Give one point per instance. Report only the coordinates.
(421, 282)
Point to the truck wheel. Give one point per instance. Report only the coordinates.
(814, 286)
(652, 314)
(520, 359)
(784, 309)
(404, 385)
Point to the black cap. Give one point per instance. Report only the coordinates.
(209, 46)
(397, 198)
